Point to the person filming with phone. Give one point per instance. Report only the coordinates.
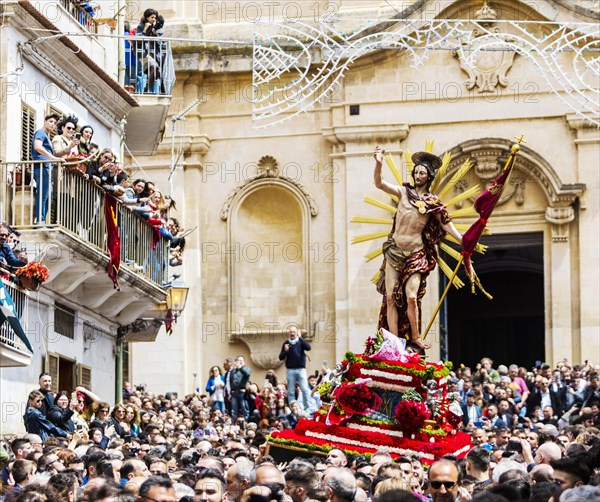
(293, 352)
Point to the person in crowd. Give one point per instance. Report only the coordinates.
(7, 255)
(42, 152)
(61, 412)
(240, 375)
(45, 381)
(216, 388)
(22, 472)
(36, 422)
(293, 352)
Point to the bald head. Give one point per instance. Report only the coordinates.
(266, 474)
(546, 453)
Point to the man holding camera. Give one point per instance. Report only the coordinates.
(293, 351)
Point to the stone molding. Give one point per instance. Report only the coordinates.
(369, 133)
(268, 170)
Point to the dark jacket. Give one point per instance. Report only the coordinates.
(7, 254)
(47, 403)
(295, 358)
(61, 417)
(239, 378)
(36, 423)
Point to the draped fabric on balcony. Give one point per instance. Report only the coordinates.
(113, 241)
(8, 313)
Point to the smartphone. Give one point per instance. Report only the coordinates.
(74, 396)
(514, 446)
(478, 424)
(77, 135)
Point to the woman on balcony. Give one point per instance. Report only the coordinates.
(65, 142)
(85, 141)
(147, 66)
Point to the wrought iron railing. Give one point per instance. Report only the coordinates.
(20, 299)
(149, 65)
(83, 12)
(76, 205)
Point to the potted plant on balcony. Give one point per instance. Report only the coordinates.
(32, 275)
(22, 176)
(76, 163)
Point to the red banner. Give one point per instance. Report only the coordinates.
(113, 241)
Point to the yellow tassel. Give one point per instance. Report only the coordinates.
(429, 145)
(463, 196)
(464, 169)
(369, 237)
(457, 283)
(465, 211)
(377, 203)
(441, 172)
(374, 254)
(375, 278)
(395, 171)
(371, 219)
(450, 250)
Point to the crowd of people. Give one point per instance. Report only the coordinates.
(535, 436)
(63, 139)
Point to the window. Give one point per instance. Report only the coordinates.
(64, 321)
(27, 130)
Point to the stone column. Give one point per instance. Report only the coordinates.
(587, 142)
(560, 343)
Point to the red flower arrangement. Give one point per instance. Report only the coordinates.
(33, 270)
(352, 399)
(411, 415)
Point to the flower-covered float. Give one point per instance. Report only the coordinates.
(384, 398)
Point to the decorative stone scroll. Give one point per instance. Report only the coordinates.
(560, 217)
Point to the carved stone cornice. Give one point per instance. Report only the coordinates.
(268, 170)
(369, 133)
(560, 217)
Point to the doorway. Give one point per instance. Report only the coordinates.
(510, 328)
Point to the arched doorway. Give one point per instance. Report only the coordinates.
(511, 327)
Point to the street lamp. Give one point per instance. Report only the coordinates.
(177, 297)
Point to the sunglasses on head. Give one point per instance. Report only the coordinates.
(436, 485)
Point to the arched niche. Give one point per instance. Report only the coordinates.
(268, 268)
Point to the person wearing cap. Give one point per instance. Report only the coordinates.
(410, 251)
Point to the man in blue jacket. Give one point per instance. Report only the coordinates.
(293, 351)
(7, 256)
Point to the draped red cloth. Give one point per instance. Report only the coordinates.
(484, 205)
(113, 241)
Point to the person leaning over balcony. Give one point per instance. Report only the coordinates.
(36, 422)
(7, 255)
(41, 149)
(65, 142)
(95, 169)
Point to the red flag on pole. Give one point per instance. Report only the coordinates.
(484, 205)
(113, 241)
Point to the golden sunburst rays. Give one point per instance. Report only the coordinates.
(454, 194)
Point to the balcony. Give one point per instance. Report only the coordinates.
(72, 243)
(13, 352)
(150, 76)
